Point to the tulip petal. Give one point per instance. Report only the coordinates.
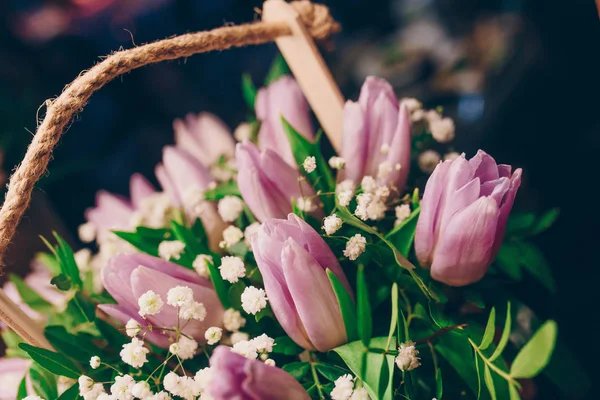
(228, 375)
(111, 212)
(496, 189)
(354, 142)
(283, 176)
(507, 203)
(115, 277)
(458, 201)
(462, 255)
(381, 121)
(139, 189)
(158, 264)
(313, 297)
(484, 167)
(264, 382)
(400, 148)
(204, 136)
(372, 88)
(167, 184)
(504, 170)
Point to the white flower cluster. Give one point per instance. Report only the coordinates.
(306, 204)
(344, 389)
(193, 199)
(187, 387)
(168, 249)
(371, 204)
(332, 224)
(123, 388)
(134, 353)
(249, 232)
(231, 236)
(402, 212)
(233, 320)
(355, 246)
(201, 266)
(407, 359)
(213, 335)
(230, 208)
(232, 268)
(337, 162)
(154, 211)
(260, 345)
(344, 192)
(309, 164)
(254, 299)
(184, 348)
(428, 160)
(150, 303)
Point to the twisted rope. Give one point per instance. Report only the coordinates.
(61, 111)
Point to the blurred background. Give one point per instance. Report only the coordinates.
(518, 76)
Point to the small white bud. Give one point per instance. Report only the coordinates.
(150, 303)
(132, 328)
(253, 300)
(231, 236)
(407, 359)
(337, 162)
(232, 268)
(95, 362)
(230, 208)
(233, 320)
(428, 160)
(309, 164)
(201, 266)
(168, 249)
(213, 335)
(87, 232)
(332, 224)
(179, 296)
(270, 362)
(355, 246)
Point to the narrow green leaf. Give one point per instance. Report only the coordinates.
(22, 392)
(533, 261)
(235, 294)
(221, 287)
(514, 393)
(67, 260)
(330, 371)
(384, 375)
(439, 384)
(505, 335)
(30, 296)
(297, 369)
(248, 91)
(403, 235)
(278, 69)
(489, 382)
(454, 347)
(143, 243)
(520, 223)
(78, 347)
(286, 346)
(224, 189)
(193, 246)
(51, 361)
(71, 393)
(112, 335)
(347, 306)
(490, 329)
(415, 203)
(536, 353)
(479, 378)
(364, 318)
(394, 319)
(43, 382)
(545, 221)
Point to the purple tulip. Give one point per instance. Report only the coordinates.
(185, 179)
(376, 137)
(267, 183)
(115, 212)
(205, 137)
(282, 98)
(464, 212)
(127, 276)
(237, 377)
(293, 258)
(12, 372)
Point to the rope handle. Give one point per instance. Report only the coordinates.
(301, 20)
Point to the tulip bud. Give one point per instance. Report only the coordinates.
(293, 259)
(282, 98)
(463, 217)
(236, 377)
(267, 183)
(376, 138)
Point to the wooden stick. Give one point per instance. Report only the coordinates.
(25, 327)
(309, 69)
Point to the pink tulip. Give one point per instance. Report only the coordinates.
(293, 258)
(237, 377)
(376, 137)
(12, 372)
(205, 137)
(184, 179)
(115, 212)
(267, 183)
(127, 276)
(464, 212)
(282, 98)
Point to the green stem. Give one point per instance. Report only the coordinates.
(316, 379)
(493, 367)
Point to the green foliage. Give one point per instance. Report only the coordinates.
(403, 235)
(248, 91)
(53, 362)
(286, 346)
(297, 369)
(71, 393)
(145, 239)
(278, 69)
(29, 296)
(79, 347)
(515, 256)
(43, 382)
(221, 286)
(363, 308)
(347, 306)
(535, 355)
(64, 254)
(529, 224)
(224, 189)
(490, 330)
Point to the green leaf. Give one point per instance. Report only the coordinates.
(221, 287)
(414, 201)
(545, 221)
(10, 338)
(534, 262)
(82, 308)
(71, 393)
(330, 371)
(347, 306)
(478, 375)
(352, 354)
(321, 178)
(454, 346)
(62, 282)
(439, 385)
(297, 369)
(67, 261)
(536, 353)
(193, 246)
(508, 261)
(278, 69)
(22, 392)
(30, 296)
(364, 318)
(505, 335)
(77, 347)
(490, 330)
(514, 393)
(286, 346)
(51, 361)
(394, 319)
(235, 294)
(384, 376)
(43, 382)
(112, 335)
(248, 91)
(519, 223)
(489, 381)
(403, 235)
(145, 239)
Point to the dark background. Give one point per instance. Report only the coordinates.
(540, 113)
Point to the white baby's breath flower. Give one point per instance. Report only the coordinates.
(249, 232)
(162, 395)
(306, 204)
(360, 394)
(270, 362)
(121, 389)
(263, 343)
(213, 335)
(428, 160)
(95, 362)
(141, 390)
(451, 155)
(411, 104)
(344, 197)
(246, 349)
(442, 130)
(134, 353)
(407, 359)
(230, 208)
(231, 236)
(97, 392)
(402, 212)
(238, 337)
(171, 382)
(203, 378)
(309, 164)
(87, 232)
(332, 224)
(193, 310)
(243, 132)
(368, 184)
(184, 348)
(188, 388)
(384, 170)
(355, 246)
(233, 320)
(83, 259)
(86, 384)
(232, 268)
(201, 266)
(168, 249)
(193, 199)
(132, 328)
(253, 299)
(150, 303)
(384, 149)
(179, 296)
(344, 386)
(432, 116)
(337, 162)
(105, 396)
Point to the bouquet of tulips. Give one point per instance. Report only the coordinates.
(273, 268)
